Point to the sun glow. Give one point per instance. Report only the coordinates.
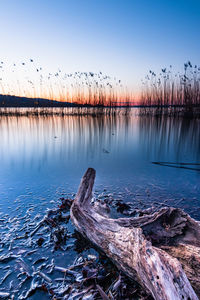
(26, 79)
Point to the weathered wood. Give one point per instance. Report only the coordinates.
(145, 248)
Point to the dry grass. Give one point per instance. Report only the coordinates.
(172, 93)
(87, 88)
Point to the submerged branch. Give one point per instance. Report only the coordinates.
(177, 165)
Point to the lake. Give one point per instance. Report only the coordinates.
(43, 159)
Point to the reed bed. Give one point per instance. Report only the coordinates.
(80, 88)
(167, 93)
(172, 94)
(65, 111)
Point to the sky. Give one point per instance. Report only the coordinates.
(121, 38)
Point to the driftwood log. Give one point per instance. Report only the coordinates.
(160, 250)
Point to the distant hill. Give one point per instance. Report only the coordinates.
(14, 101)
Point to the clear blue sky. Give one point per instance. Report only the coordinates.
(123, 38)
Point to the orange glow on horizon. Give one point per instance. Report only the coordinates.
(28, 80)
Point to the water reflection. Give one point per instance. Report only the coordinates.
(47, 154)
(177, 139)
(42, 139)
(45, 138)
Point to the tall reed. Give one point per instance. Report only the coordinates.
(172, 93)
(26, 79)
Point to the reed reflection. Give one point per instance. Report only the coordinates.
(47, 139)
(37, 141)
(176, 140)
(49, 153)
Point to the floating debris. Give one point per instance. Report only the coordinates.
(4, 295)
(7, 258)
(105, 151)
(44, 248)
(6, 276)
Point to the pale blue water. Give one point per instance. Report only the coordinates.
(43, 158)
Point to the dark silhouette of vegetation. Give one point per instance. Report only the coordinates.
(170, 94)
(80, 88)
(13, 105)
(166, 93)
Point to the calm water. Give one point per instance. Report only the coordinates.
(43, 159)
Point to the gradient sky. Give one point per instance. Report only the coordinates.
(120, 38)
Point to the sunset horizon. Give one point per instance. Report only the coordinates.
(100, 150)
(121, 40)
